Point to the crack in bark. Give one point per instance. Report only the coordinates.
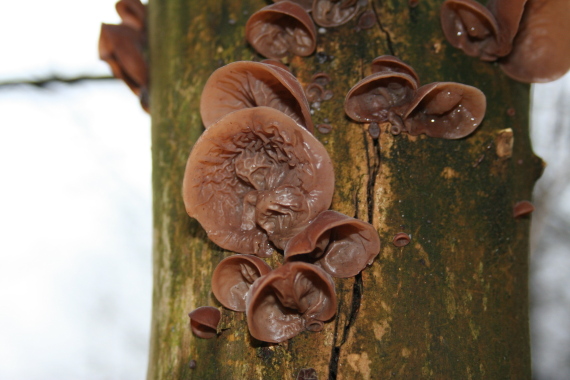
(386, 33)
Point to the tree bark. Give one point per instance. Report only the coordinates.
(453, 304)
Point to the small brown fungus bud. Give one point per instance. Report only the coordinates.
(374, 130)
(330, 13)
(401, 239)
(522, 209)
(192, 364)
(280, 30)
(233, 277)
(367, 19)
(307, 374)
(294, 297)
(324, 128)
(204, 321)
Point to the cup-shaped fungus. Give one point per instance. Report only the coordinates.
(233, 277)
(389, 63)
(329, 13)
(541, 48)
(132, 12)
(341, 245)
(122, 48)
(381, 97)
(246, 84)
(522, 208)
(294, 297)
(204, 321)
(256, 176)
(280, 30)
(446, 110)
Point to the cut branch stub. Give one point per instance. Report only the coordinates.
(541, 49)
(204, 321)
(132, 12)
(446, 110)
(256, 177)
(293, 298)
(246, 84)
(330, 13)
(233, 277)
(341, 245)
(280, 30)
(389, 63)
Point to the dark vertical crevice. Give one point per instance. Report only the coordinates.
(386, 33)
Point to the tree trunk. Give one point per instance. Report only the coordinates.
(453, 304)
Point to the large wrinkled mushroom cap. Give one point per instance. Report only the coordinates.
(255, 176)
(293, 298)
(341, 245)
(233, 277)
(246, 84)
(379, 94)
(389, 63)
(445, 109)
(204, 321)
(330, 13)
(541, 49)
(281, 29)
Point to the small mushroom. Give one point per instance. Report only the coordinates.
(389, 63)
(280, 30)
(204, 321)
(132, 12)
(246, 84)
(381, 97)
(522, 208)
(233, 277)
(294, 297)
(541, 48)
(446, 110)
(401, 239)
(330, 13)
(341, 245)
(256, 177)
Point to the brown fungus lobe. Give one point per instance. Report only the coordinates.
(330, 13)
(341, 245)
(305, 4)
(401, 239)
(204, 321)
(132, 12)
(256, 176)
(233, 277)
(280, 30)
(293, 298)
(522, 208)
(389, 63)
(246, 84)
(446, 110)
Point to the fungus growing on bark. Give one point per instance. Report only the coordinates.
(445, 109)
(132, 12)
(381, 97)
(246, 84)
(204, 321)
(341, 245)
(522, 208)
(307, 5)
(234, 276)
(256, 177)
(389, 63)
(280, 30)
(294, 297)
(541, 48)
(329, 13)
(315, 90)
(401, 239)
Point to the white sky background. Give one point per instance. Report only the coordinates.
(75, 208)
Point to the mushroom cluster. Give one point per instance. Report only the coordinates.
(286, 28)
(122, 47)
(529, 38)
(258, 181)
(391, 95)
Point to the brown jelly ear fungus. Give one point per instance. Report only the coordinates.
(255, 179)
(330, 13)
(234, 276)
(341, 245)
(293, 298)
(246, 84)
(204, 321)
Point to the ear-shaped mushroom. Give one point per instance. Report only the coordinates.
(204, 321)
(380, 97)
(255, 176)
(281, 29)
(329, 13)
(121, 47)
(132, 12)
(293, 298)
(389, 63)
(341, 245)
(445, 109)
(246, 84)
(541, 48)
(234, 276)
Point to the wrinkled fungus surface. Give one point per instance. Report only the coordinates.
(256, 177)
(330, 13)
(293, 298)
